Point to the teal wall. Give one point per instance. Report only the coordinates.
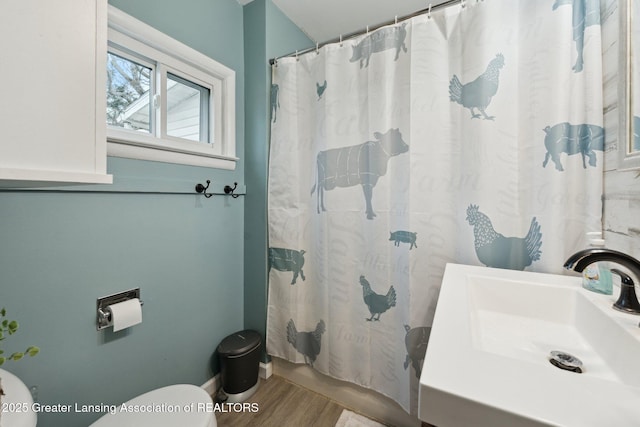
(60, 250)
(200, 279)
(268, 34)
(256, 154)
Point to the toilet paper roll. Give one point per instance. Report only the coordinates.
(125, 314)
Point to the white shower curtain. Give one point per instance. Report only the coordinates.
(473, 135)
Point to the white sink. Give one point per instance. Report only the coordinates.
(487, 363)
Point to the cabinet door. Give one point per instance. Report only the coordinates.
(52, 102)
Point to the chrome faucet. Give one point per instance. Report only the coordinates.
(627, 302)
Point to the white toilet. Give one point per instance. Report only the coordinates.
(172, 406)
(17, 401)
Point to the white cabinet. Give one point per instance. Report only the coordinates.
(52, 96)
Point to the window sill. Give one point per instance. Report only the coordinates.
(165, 155)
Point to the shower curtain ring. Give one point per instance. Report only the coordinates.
(463, 3)
(429, 12)
(317, 48)
(340, 40)
(297, 59)
(396, 20)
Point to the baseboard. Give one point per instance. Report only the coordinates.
(212, 385)
(266, 370)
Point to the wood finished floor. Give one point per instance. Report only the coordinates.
(284, 404)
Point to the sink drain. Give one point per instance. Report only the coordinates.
(565, 361)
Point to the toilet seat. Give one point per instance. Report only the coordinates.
(172, 406)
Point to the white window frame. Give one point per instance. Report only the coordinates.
(127, 34)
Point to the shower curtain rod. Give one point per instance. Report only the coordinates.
(448, 3)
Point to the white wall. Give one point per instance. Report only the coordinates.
(621, 188)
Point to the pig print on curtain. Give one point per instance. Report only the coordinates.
(471, 136)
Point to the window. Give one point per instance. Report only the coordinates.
(187, 109)
(165, 101)
(128, 93)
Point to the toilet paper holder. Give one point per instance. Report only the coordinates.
(104, 319)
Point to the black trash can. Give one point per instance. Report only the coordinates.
(240, 364)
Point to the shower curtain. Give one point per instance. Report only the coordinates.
(471, 135)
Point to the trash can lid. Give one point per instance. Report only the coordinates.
(239, 342)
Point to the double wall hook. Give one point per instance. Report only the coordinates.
(228, 190)
(202, 189)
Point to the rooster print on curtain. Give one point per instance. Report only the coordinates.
(495, 250)
(478, 93)
(309, 343)
(377, 303)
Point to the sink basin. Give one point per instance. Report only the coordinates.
(487, 363)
